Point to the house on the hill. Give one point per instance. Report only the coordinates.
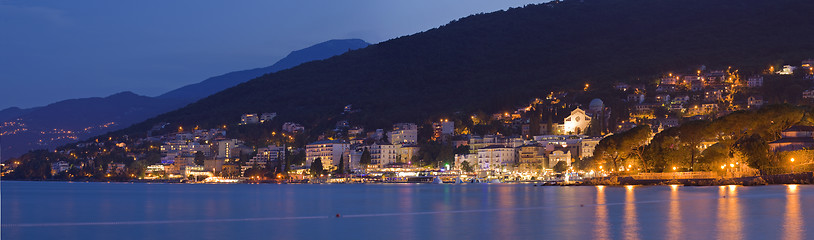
(754, 81)
(794, 138)
(755, 101)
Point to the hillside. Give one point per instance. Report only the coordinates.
(493, 61)
(71, 120)
(76, 119)
(194, 92)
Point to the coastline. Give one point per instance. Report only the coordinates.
(778, 179)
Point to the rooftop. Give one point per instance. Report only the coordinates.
(800, 128)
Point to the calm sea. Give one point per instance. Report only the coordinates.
(61, 210)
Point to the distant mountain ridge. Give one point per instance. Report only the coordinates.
(77, 119)
(212, 85)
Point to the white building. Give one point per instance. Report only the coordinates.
(59, 167)
(249, 118)
(329, 152)
(181, 146)
(755, 101)
(384, 154)
(587, 147)
(267, 117)
(577, 122)
(266, 155)
(443, 128)
(496, 157)
(787, 70)
(293, 127)
(559, 155)
(754, 81)
(403, 133)
(808, 94)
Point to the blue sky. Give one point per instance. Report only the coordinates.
(53, 50)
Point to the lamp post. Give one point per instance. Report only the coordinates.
(792, 165)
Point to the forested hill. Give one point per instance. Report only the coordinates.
(323, 50)
(495, 60)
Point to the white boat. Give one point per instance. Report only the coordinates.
(495, 181)
(437, 180)
(458, 180)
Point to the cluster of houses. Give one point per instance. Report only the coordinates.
(699, 95)
(536, 150)
(490, 153)
(254, 118)
(539, 155)
(394, 147)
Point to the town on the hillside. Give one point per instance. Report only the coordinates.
(696, 124)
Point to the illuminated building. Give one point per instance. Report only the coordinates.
(794, 138)
(249, 118)
(384, 154)
(559, 155)
(532, 158)
(329, 152)
(442, 129)
(403, 133)
(227, 148)
(267, 155)
(577, 122)
(59, 167)
(496, 157)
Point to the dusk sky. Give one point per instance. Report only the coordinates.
(56, 50)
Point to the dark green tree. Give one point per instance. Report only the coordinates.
(463, 149)
(691, 135)
(756, 151)
(535, 120)
(366, 158)
(560, 167)
(316, 167)
(199, 158)
(466, 167)
(340, 168)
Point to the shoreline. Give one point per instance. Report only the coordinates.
(779, 179)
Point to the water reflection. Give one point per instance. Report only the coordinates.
(500, 211)
(602, 227)
(407, 206)
(505, 199)
(675, 225)
(729, 219)
(793, 221)
(631, 219)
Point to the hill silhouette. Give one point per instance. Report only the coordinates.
(495, 60)
(323, 50)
